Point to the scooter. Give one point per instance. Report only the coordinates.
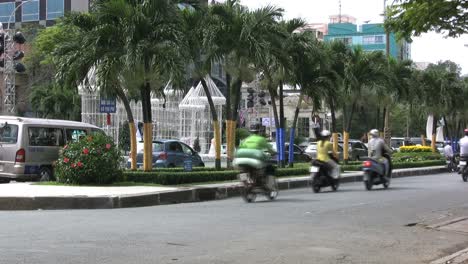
(463, 168)
(320, 177)
(374, 173)
(256, 176)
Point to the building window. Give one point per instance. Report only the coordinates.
(55, 9)
(5, 11)
(368, 40)
(30, 11)
(347, 41)
(303, 127)
(379, 39)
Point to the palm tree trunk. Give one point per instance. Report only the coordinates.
(131, 124)
(434, 134)
(234, 115)
(382, 128)
(229, 141)
(333, 125)
(282, 126)
(217, 132)
(408, 120)
(276, 117)
(147, 127)
(387, 130)
(346, 133)
(293, 131)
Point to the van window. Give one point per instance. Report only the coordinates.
(45, 136)
(75, 134)
(9, 134)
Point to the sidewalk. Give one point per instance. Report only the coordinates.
(28, 196)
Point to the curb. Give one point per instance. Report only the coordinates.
(196, 194)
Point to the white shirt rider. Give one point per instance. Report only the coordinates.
(464, 145)
(448, 151)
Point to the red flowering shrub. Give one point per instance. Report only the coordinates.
(91, 160)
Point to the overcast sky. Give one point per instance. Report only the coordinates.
(430, 47)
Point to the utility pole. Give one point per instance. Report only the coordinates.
(387, 130)
(10, 67)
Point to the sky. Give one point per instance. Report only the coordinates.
(430, 47)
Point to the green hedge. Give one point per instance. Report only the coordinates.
(176, 177)
(400, 165)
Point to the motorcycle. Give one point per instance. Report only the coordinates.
(256, 176)
(463, 168)
(452, 163)
(320, 177)
(374, 173)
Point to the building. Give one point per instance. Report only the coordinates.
(44, 12)
(371, 37)
(319, 30)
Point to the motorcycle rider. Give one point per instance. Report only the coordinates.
(448, 153)
(326, 154)
(377, 148)
(464, 146)
(255, 146)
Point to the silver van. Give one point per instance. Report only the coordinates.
(29, 146)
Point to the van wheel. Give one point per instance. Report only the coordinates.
(45, 174)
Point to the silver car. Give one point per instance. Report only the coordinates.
(29, 146)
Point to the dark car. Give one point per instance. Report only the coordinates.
(299, 154)
(169, 154)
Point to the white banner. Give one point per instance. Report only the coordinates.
(429, 125)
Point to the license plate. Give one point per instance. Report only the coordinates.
(314, 169)
(243, 176)
(463, 163)
(448, 161)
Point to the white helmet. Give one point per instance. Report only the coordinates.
(325, 133)
(374, 133)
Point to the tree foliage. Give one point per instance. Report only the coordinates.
(412, 17)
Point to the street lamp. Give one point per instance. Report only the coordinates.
(9, 60)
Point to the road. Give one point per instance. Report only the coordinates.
(349, 226)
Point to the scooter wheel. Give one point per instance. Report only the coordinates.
(316, 188)
(386, 184)
(369, 184)
(465, 177)
(335, 186)
(248, 196)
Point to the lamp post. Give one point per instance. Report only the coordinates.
(9, 100)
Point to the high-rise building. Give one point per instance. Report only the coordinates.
(44, 12)
(371, 37)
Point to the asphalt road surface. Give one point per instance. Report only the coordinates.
(349, 226)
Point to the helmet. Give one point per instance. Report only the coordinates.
(374, 133)
(254, 128)
(325, 133)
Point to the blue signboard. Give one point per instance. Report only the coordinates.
(107, 105)
(188, 165)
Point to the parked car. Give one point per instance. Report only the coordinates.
(29, 146)
(357, 150)
(311, 150)
(169, 154)
(299, 154)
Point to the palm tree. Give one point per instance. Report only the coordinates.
(399, 74)
(77, 56)
(242, 37)
(362, 70)
(331, 80)
(305, 56)
(55, 101)
(199, 29)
